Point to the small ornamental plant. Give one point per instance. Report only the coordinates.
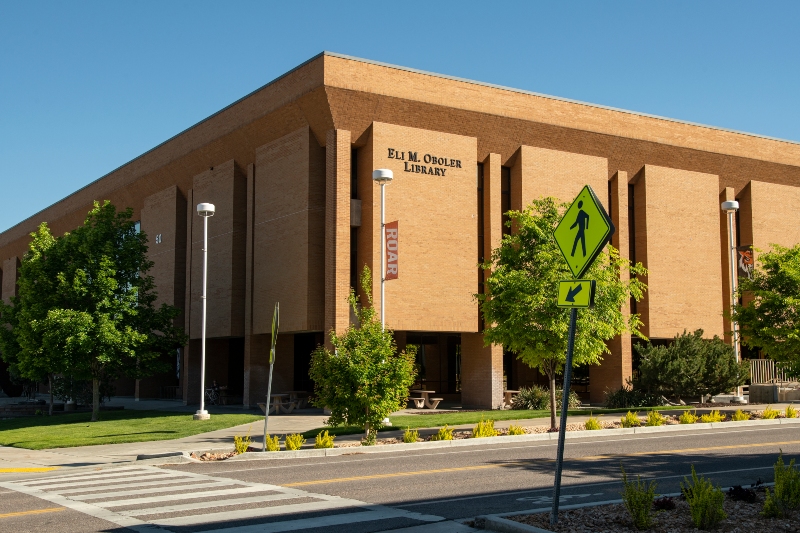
(785, 499)
(791, 412)
(294, 442)
(687, 418)
(638, 498)
(654, 418)
(273, 445)
(322, 440)
(445, 433)
(242, 444)
(593, 423)
(630, 420)
(370, 439)
(514, 429)
(410, 435)
(713, 416)
(740, 415)
(484, 429)
(769, 413)
(705, 501)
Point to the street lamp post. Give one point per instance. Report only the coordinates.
(205, 211)
(730, 207)
(382, 176)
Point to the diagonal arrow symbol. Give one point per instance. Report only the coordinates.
(574, 292)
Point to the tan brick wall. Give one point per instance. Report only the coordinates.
(538, 173)
(678, 240)
(768, 215)
(337, 231)
(9, 278)
(225, 187)
(481, 373)
(288, 217)
(437, 229)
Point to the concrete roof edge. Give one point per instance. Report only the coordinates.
(159, 145)
(558, 98)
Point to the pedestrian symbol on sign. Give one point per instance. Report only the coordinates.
(582, 221)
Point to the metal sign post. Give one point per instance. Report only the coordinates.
(581, 235)
(276, 320)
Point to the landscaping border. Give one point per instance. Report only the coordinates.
(505, 439)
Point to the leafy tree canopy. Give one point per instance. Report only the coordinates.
(364, 379)
(519, 305)
(769, 320)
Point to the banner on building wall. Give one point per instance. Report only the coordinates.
(745, 261)
(391, 236)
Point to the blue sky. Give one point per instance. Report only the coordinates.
(87, 86)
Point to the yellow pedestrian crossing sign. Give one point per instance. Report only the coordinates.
(576, 293)
(583, 232)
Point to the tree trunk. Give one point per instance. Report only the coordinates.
(552, 377)
(50, 385)
(95, 399)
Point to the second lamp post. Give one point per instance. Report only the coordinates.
(382, 176)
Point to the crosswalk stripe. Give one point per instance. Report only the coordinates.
(104, 482)
(174, 497)
(207, 505)
(96, 496)
(229, 516)
(168, 481)
(107, 474)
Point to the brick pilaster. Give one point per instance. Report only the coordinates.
(337, 231)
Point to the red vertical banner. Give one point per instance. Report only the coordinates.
(390, 234)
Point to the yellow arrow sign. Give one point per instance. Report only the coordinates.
(576, 293)
(583, 232)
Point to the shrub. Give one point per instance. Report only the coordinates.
(484, 429)
(791, 412)
(273, 445)
(630, 420)
(769, 414)
(445, 433)
(322, 440)
(786, 498)
(410, 435)
(370, 439)
(628, 396)
(687, 418)
(740, 415)
(538, 398)
(713, 416)
(592, 423)
(638, 498)
(514, 429)
(654, 418)
(705, 501)
(690, 366)
(294, 441)
(240, 444)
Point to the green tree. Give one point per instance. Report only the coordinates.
(96, 319)
(364, 378)
(769, 320)
(690, 366)
(22, 340)
(519, 304)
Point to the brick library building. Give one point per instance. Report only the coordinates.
(289, 169)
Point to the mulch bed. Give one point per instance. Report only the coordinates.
(742, 517)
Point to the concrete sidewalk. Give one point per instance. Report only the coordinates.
(222, 440)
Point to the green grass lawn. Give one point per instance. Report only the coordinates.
(68, 430)
(456, 419)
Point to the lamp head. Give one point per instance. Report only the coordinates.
(382, 175)
(205, 210)
(730, 205)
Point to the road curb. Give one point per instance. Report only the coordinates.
(506, 439)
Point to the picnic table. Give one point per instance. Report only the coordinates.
(508, 397)
(279, 402)
(425, 401)
(299, 397)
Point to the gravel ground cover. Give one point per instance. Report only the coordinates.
(742, 518)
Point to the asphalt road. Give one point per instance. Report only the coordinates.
(426, 488)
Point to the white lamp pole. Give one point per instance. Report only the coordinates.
(730, 207)
(205, 211)
(382, 176)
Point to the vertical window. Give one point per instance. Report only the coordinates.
(480, 227)
(354, 231)
(632, 235)
(137, 226)
(505, 197)
(354, 173)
